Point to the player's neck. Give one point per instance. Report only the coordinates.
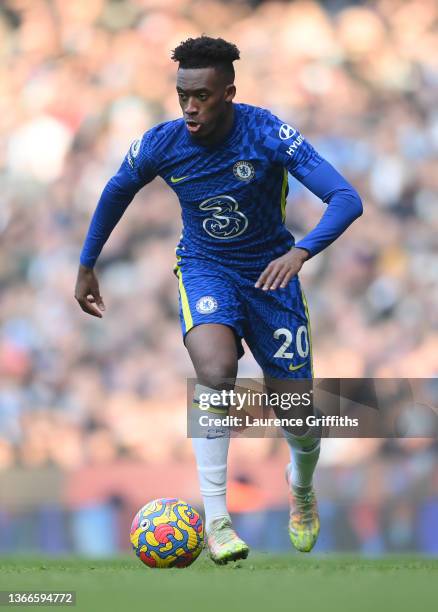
(225, 126)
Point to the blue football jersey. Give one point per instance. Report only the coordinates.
(233, 195)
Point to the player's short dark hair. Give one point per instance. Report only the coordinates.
(206, 52)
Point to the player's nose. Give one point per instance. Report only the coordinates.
(191, 108)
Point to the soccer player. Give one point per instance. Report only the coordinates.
(237, 263)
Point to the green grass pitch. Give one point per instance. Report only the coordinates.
(261, 583)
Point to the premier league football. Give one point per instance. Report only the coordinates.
(167, 533)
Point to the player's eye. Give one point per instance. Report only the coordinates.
(182, 96)
(203, 97)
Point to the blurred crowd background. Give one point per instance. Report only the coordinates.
(92, 412)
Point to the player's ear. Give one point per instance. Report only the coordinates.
(230, 92)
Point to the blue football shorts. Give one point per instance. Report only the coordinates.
(274, 324)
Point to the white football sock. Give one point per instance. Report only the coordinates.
(304, 455)
(211, 458)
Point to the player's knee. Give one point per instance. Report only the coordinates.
(216, 372)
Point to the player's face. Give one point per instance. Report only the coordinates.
(205, 99)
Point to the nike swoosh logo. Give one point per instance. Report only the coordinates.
(213, 434)
(293, 368)
(177, 180)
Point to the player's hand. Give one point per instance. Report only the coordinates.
(279, 272)
(87, 292)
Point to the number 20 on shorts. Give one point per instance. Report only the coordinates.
(301, 342)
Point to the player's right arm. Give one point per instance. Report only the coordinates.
(136, 171)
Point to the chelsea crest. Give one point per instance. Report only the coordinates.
(243, 170)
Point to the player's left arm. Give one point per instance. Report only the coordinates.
(319, 176)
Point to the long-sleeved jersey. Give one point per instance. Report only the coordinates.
(232, 195)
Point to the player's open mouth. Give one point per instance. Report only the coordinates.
(193, 127)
